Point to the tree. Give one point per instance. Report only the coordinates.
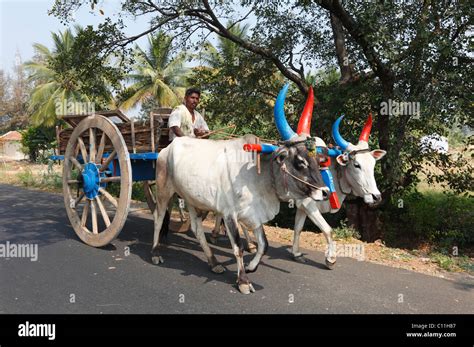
(238, 88)
(14, 93)
(157, 74)
(36, 140)
(62, 84)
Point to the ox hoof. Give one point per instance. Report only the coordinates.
(157, 259)
(218, 269)
(299, 257)
(249, 269)
(330, 265)
(213, 239)
(252, 248)
(246, 288)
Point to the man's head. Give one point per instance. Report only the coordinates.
(191, 98)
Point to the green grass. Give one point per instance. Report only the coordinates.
(344, 232)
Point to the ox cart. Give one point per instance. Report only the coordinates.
(103, 153)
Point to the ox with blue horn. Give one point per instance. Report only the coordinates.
(207, 176)
(314, 144)
(352, 172)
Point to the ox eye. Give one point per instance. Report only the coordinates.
(357, 165)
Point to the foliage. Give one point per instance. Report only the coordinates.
(69, 75)
(440, 218)
(47, 179)
(14, 92)
(158, 74)
(36, 141)
(239, 87)
(344, 232)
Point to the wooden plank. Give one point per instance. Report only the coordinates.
(152, 132)
(132, 126)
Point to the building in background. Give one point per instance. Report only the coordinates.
(10, 146)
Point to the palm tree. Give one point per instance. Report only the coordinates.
(225, 51)
(157, 74)
(51, 88)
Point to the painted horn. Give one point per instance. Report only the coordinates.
(337, 136)
(304, 125)
(364, 135)
(282, 125)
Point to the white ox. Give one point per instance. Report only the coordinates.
(353, 173)
(194, 169)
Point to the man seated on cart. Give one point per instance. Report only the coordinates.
(185, 120)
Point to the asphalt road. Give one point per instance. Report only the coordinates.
(71, 277)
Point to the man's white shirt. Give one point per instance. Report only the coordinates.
(182, 118)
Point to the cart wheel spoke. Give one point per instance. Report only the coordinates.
(109, 197)
(108, 160)
(103, 212)
(82, 147)
(78, 200)
(100, 151)
(95, 227)
(85, 212)
(76, 163)
(111, 179)
(92, 148)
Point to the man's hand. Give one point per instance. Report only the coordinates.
(177, 131)
(200, 132)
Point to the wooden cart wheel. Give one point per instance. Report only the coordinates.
(87, 180)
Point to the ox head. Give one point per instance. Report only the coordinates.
(295, 165)
(358, 163)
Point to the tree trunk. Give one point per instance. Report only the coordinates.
(341, 51)
(364, 219)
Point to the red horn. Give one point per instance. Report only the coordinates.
(364, 135)
(304, 125)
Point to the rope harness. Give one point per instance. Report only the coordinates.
(310, 144)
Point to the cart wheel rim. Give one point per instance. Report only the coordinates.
(96, 168)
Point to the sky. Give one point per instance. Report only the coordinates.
(24, 22)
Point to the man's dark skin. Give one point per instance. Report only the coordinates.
(190, 101)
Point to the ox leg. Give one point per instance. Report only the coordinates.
(251, 246)
(217, 228)
(164, 192)
(158, 217)
(317, 218)
(243, 283)
(261, 249)
(196, 226)
(299, 224)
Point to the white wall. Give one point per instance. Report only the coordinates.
(11, 150)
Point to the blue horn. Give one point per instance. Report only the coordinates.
(337, 136)
(279, 113)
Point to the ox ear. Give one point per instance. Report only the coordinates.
(378, 153)
(342, 159)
